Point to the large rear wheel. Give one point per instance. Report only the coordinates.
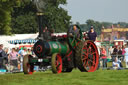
(87, 56)
(56, 63)
(27, 67)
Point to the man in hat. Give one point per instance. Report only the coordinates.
(92, 34)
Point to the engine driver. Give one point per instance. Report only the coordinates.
(75, 32)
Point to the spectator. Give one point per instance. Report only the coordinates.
(120, 53)
(22, 53)
(92, 34)
(3, 56)
(123, 52)
(7, 54)
(115, 50)
(13, 57)
(100, 58)
(6, 51)
(126, 56)
(111, 50)
(104, 58)
(29, 52)
(114, 54)
(117, 64)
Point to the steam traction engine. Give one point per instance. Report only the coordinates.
(63, 53)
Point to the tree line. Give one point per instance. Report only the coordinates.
(19, 17)
(98, 26)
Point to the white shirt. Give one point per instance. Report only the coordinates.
(116, 64)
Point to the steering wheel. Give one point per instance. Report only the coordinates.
(74, 36)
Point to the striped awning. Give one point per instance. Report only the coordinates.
(22, 41)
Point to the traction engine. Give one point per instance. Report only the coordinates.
(63, 53)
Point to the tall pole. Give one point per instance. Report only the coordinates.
(40, 25)
(40, 5)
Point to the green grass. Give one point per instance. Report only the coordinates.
(100, 77)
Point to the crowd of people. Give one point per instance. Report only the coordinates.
(117, 54)
(14, 59)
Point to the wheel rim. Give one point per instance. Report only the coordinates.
(58, 63)
(90, 56)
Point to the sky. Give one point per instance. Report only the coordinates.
(98, 10)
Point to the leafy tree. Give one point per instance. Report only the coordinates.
(24, 18)
(83, 27)
(106, 24)
(97, 25)
(123, 24)
(24, 24)
(55, 16)
(6, 7)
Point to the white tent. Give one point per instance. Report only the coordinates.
(4, 39)
(18, 37)
(6, 44)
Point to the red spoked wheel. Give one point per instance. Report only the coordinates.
(87, 56)
(56, 63)
(27, 67)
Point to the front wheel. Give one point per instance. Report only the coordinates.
(56, 63)
(27, 67)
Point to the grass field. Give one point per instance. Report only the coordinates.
(99, 77)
